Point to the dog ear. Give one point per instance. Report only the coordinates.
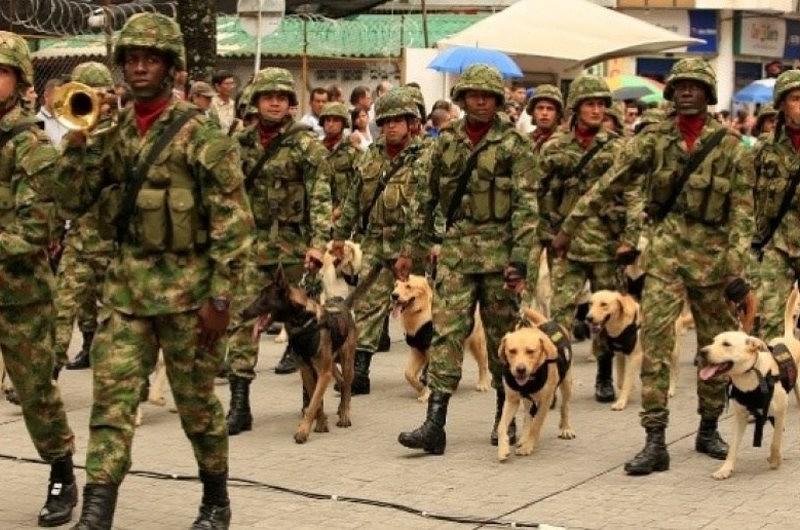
(754, 344)
(501, 351)
(280, 277)
(549, 348)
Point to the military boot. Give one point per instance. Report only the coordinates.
(654, 456)
(215, 508)
(361, 372)
(386, 342)
(82, 361)
(709, 441)
(62, 494)
(288, 362)
(99, 503)
(512, 427)
(604, 382)
(430, 436)
(580, 329)
(239, 417)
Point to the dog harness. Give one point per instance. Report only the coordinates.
(625, 342)
(421, 340)
(304, 339)
(757, 401)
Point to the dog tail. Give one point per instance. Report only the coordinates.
(534, 316)
(788, 314)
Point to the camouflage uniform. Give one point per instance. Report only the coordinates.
(27, 161)
(86, 255)
(494, 226)
(550, 93)
(700, 245)
(342, 158)
(190, 229)
(767, 111)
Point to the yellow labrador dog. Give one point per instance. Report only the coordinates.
(617, 315)
(536, 360)
(761, 378)
(412, 301)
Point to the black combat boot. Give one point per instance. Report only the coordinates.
(512, 427)
(239, 418)
(82, 361)
(580, 329)
(99, 503)
(215, 509)
(430, 436)
(604, 382)
(386, 342)
(654, 456)
(709, 441)
(62, 494)
(288, 362)
(361, 372)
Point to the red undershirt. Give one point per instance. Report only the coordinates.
(585, 135)
(794, 136)
(392, 150)
(267, 132)
(540, 135)
(330, 141)
(690, 126)
(147, 112)
(477, 130)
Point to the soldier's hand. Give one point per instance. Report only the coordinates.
(514, 277)
(213, 324)
(336, 214)
(748, 310)
(402, 268)
(75, 138)
(626, 254)
(560, 245)
(743, 302)
(313, 260)
(337, 249)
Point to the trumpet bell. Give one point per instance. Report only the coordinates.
(76, 106)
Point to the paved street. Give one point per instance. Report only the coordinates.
(573, 484)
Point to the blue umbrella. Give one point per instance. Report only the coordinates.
(756, 92)
(457, 59)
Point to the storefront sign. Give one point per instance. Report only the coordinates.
(764, 36)
(700, 24)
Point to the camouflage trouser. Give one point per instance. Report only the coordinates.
(568, 278)
(372, 308)
(79, 288)
(122, 353)
(242, 349)
(26, 341)
(453, 319)
(777, 274)
(662, 302)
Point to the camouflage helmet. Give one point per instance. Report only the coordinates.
(397, 102)
(480, 77)
(416, 96)
(335, 110)
(548, 92)
(96, 75)
(14, 52)
(766, 111)
(154, 31)
(274, 80)
(587, 87)
(786, 82)
(615, 114)
(692, 69)
(245, 105)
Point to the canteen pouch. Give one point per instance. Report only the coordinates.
(183, 219)
(501, 198)
(151, 219)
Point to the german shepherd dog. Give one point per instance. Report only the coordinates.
(320, 335)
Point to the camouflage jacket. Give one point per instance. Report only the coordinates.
(382, 238)
(342, 162)
(497, 219)
(27, 211)
(560, 189)
(144, 279)
(776, 164)
(290, 196)
(706, 235)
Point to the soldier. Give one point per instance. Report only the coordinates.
(288, 181)
(183, 225)
(375, 208)
(482, 187)
(334, 119)
(698, 191)
(546, 109)
(649, 117)
(567, 167)
(86, 255)
(765, 122)
(777, 213)
(613, 121)
(27, 161)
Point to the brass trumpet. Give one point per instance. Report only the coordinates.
(76, 106)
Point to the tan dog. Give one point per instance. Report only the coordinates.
(748, 362)
(339, 275)
(533, 367)
(618, 316)
(413, 301)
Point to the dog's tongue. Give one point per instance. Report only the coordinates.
(707, 372)
(263, 322)
(396, 311)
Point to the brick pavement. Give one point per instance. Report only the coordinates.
(575, 484)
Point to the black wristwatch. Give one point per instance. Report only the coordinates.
(220, 303)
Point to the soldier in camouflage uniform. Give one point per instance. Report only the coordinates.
(765, 122)
(699, 238)
(174, 271)
(649, 117)
(546, 109)
(562, 182)
(27, 161)
(487, 233)
(376, 208)
(334, 119)
(86, 255)
(291, 198)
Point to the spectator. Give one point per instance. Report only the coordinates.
(361, 138)
(513, 110)
(382, 88)
(440, 118)
(201, 95)
(631, 116)
(335, 94)
(773, 69)
(317, 100)
(519, 93)
(225, 85)
(54, 130)
(361, 98)
(179, 84)
(30, 98)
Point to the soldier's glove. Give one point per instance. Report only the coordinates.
(560, 245)
(514, 276)
(402, 267)
(337, 250)
(626, 255)
(313, 260)
(214, 316)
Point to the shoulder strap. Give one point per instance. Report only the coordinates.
(588, 156)
(786, 203)
(271, 149)
(461, 189)
(136, 176)
(692, 164)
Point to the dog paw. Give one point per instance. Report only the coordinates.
(482, 386)
(722, 473)
(671, 392)
(423, 397)
(503, 454)
(301, 437)
(161, 402)
(774, 461)
(321, 427)
(524, 450)
(619, 405)
(566, 434)
(138, 419)
(344, 422)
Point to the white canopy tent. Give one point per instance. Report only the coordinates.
(554, 37)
